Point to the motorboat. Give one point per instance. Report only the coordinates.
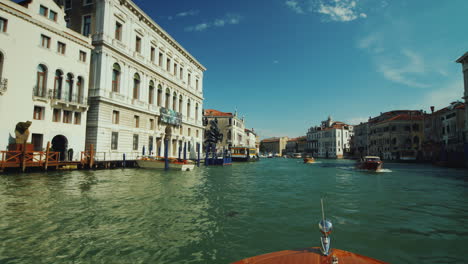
(371, 163)
(309, 160)
(313, 255)
(244, 154)
(160, 163)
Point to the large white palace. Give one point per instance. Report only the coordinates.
(145, 88)
(44, 75)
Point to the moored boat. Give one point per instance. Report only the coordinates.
(244, 154)
(160, 163)
(313, 255)
(371, 163)
(309, 160)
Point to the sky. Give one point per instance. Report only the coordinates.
(286, 65)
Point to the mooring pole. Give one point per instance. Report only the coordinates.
(91, 156)
(23, 165)
(46, 164)
(124, 161)
(166, 154)
(185, 150)
(199, 150)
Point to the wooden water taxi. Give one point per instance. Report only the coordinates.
(160, 163)
(371, 163)
(313, 255)
(309, 160)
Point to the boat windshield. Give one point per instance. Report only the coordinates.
(372, 159)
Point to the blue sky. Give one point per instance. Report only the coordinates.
(288, 64)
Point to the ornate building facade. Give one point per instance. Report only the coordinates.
(44, 76)
(330, 140)
(146, 90)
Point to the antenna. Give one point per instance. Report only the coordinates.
(325, 227)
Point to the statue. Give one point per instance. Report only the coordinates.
(22, 132)
(213, 135)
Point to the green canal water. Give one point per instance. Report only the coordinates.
(408, 214)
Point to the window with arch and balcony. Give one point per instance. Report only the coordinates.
(69, 88)
(159, 95)
(80, 90)
(180, 103)
(41, 81)
(196, 112)
(58, 82)
(174, 101)
(116, 72)
(168, 95)
(136, 86)
(188, 108)
(151, 93)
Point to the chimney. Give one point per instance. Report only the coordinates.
(432, 109)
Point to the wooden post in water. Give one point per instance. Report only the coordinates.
(46, 164)
(23, 161)
(199, 150)
(166, 154)
(91, 156)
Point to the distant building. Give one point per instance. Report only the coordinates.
(44, 76)
(274, 145)
(232, 127)
(360, 140)
(464, 61)
(330, 140)
(251, 139)
(296, 145)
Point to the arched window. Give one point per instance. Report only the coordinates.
(1, 65)
(168, 95)
(188, 108)
(159, 95)
(196, 112)
(69, 88)
(180, 103)
(174, 101)
(58, 84)
(151, 93)
(116, 78)
(79, 87)
(136, 86)
(41, 81)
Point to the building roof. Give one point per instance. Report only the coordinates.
(403, 117)
(462, 58)
(213, 112)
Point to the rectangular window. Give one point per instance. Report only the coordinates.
(68, 4)
(82, 56)
(135, 142)
(86, 29)
(189, 79)
(3, 24)
(138, 44)
(189, 132)
(53, 15)
(152, 55)
(61, 47)
(45, 41)
(168, 64)
(175, 69)
(151, 124)
(67, 117)
(115, 117)
(118, 31)
(181, 73)
(137, 121)
(160, 59)
(38, 113)
(67, 22)
(77, 120)
(196, 84)
(57, 115)
(114, 140)
(43, 11)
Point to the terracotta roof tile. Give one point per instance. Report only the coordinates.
(213, 112)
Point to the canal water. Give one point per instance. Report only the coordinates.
(407, 214)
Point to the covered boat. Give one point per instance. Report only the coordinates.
(372, 163)
(160, 163)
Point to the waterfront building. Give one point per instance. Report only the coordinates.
(296, 145)
(360, 140)
(432, 145)
(145, 90)
(330, 140)
(396, 135)
(251, 139)
(231, 126)
(275, 145)
(44, 76)
(464, 62)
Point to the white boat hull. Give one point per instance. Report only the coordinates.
(155, 164)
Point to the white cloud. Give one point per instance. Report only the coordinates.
(228, 19)
(356, 120)
(188, 13)
(294, 5)
(340, 10)
(404, 71)
(440, 98)
(275, 61)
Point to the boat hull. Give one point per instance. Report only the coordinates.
(370, 166)
(309, 256)
(160, 164)
(309, 160)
